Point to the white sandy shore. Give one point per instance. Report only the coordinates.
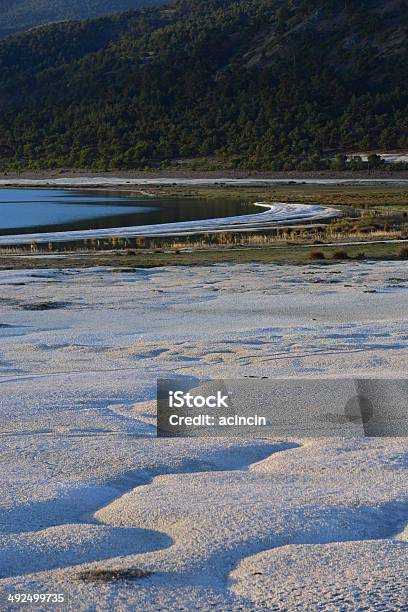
(275, 214)
(221, 524)
(111, 181)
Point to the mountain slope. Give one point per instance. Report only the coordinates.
(19, 15)
(259, 83)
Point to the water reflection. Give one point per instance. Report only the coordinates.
(41, 210)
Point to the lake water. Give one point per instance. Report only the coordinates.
(42, 210)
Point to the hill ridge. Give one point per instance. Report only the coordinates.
(268, 84)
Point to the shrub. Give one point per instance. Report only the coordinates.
(340, 255)
(317, 255)
(403, 252)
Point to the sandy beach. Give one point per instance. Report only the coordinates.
(183, 173)
(222, 179)
(220, 523)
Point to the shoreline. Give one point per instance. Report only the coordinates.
(187, 178)
(275, 215)
(183, 171)
(180, 243)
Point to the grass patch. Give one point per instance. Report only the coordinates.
(289, 254)
(385, 196)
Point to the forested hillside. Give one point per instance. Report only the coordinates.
(257, 83)
(19, 15)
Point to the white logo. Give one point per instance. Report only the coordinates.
(178, 399)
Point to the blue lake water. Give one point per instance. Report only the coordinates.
(41, 210)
